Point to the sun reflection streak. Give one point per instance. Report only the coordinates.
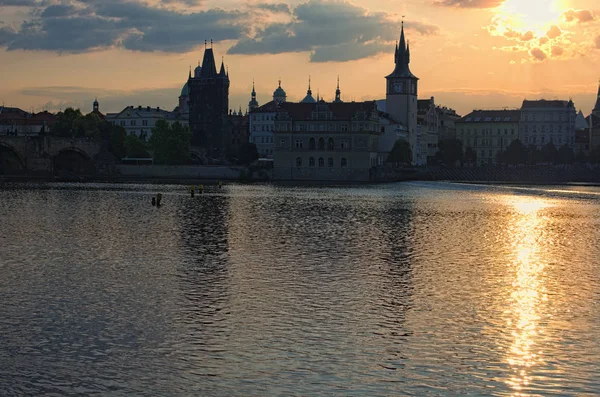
(527, 290)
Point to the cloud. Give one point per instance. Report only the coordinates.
(87, 25)
(554, 32)
(579, 16)
(521, 36)
(469, 3)
(538, 54)
(557, 51)
(596, 41)
(330, 31)
(18, 3)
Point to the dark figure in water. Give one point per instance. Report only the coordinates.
(153, 201)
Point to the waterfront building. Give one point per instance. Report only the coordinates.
(236, 133)
(401, 99)
(428, 121)
(140, 120)
(488, 132)
(262, 122)
(326, 141)
(582, 135)
(208, 106)
(593, 121)
(544, 121)
(448, 118)
(391, 130)
(15, 121)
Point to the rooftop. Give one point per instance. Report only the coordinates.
(491, 116)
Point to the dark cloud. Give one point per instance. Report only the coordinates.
(86, 25)
(580, 16)
(276, 8)
(538, 54)
(331, 31)
(19, 3)
(469, 3)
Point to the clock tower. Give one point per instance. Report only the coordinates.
(401, 93)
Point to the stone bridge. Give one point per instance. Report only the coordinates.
(43, 154)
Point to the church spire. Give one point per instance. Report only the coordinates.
(308, 98)
(596, 110)
(338, 92)
(222, 71)
(402, 58)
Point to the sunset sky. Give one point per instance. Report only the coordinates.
(468, 53)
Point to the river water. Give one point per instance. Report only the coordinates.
(415, 289)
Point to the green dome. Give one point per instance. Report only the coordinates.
(279, 92)
(185, 91)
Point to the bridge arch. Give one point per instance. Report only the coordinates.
(10, 159)
(73, 160)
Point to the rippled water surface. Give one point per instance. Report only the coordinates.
(408, 289)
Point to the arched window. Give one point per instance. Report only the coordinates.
(321, 162)
(344, 162)
(330, 162)
(311, 162)
(321, 144)
(330, 144)
(299, 162)
(312, 144)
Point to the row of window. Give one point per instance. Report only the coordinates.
(268, 127)
(550, 116)
(263, 117)
(263, 139)
(330, 162)
(132, 123)
(558, 140)
(547, 128)
(314, 144)
(487, 131)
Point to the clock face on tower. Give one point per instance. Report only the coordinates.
(398, 87)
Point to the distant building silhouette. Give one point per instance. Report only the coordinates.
(208, 106)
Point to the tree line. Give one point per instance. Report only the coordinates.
(450, 153)
(168, 144)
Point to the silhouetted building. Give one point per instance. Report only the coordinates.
(545, 121)
(401, 98)
(488, 132)
(208, 106)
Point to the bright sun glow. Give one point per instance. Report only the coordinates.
(532, 15)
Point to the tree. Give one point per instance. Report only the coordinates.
(549, 153)
(581, 158)
(470, 156)
(135, 147)
(534, 156)
(565, 155)
(595, 155)
(401, 152)
(516, 153)
(450, 152)
(66, 125)
(247, 154)
(170, 143)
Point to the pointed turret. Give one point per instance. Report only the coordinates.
(596, 110)
(253, 104)
(209, 68)
(338, 93)
(222, 72)
(402, 58)
(279, 94)
(308, 98)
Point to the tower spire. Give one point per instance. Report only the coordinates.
(596, 110)
(338, 92)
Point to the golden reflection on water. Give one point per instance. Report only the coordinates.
(528, 292)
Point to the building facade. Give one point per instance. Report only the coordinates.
(428, 120)
(401, 98)
(448, 118)
(488, 132)
(545, 121)
(209, 106)
(140, 120)
(17, 122)
(326, 141)
(262, 122)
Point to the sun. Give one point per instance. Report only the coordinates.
(532, 15)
